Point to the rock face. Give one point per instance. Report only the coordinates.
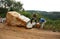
(14, 18)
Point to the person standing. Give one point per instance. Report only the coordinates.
(42, 21)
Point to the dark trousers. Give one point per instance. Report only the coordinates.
(33, 19)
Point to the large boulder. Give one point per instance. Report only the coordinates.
(14, 18)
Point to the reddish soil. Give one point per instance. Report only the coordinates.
(11, 32)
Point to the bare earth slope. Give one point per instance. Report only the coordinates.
(9, 32)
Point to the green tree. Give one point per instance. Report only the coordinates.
(11, 4)
(17, 6)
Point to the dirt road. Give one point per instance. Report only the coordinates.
(9, 32)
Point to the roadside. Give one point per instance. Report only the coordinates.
(9, 32)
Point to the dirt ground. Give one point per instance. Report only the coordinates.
(11, 32)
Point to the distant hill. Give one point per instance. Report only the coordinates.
(50, 15)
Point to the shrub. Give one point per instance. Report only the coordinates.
(3, 12)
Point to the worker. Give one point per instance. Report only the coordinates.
(42, 22)
(34, 18)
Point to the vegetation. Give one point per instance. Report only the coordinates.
(3, 12)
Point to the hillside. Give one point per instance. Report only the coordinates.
(50, 15)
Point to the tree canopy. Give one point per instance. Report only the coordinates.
(11, 5)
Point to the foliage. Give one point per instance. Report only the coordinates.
(27, 14)
(53, 25)
(3, 12)
(49, 15)
(11, 5)
(17, 6)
